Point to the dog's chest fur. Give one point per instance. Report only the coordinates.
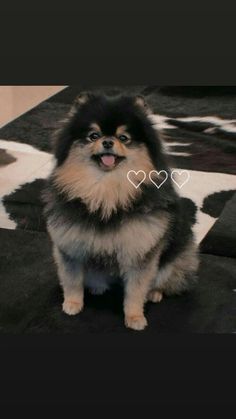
(124, 246)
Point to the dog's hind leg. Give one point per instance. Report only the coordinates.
(177, 276)
(155, 296)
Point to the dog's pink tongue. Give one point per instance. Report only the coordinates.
(108, 160)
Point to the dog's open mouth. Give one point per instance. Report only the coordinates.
(107, 161)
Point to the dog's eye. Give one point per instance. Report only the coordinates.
(94, 136)
(123, 138)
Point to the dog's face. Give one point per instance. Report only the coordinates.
(103, 139)
(108, 148)
(107, 131)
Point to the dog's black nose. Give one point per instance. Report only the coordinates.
(107, 143)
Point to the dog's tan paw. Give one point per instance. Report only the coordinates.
(72, 307)
(155, 296)
(136, 322)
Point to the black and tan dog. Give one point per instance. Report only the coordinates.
(103, 228)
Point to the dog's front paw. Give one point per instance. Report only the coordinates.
(72, 307)
(136, 322)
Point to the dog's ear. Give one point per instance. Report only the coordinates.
(140, 101)
(83, 98)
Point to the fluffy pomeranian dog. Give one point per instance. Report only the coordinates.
(105, 228)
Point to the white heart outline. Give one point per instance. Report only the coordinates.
(158, 173)
(179, 172)
(136, 173)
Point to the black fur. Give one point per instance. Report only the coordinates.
(109, 113)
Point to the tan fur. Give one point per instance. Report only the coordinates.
(155, 296)
(122, 130)
(72, 287)
(72, 307)
(136, 289)
(80, 177)
(94, 127)
(130, 243)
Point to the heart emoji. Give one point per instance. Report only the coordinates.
(180, 177)
(137, 177)
(160, 177)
